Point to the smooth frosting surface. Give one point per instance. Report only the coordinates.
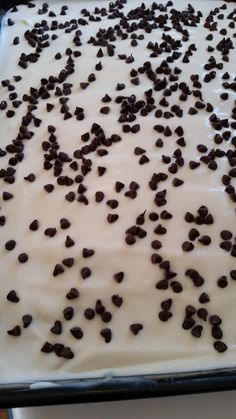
(159, 346)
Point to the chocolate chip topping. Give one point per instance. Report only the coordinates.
(106, 334)
(13, 297)
(76, 332)
(136, 328)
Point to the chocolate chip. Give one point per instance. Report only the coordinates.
(130, 239)
(156, 244)
(164, 315)
(72, 294)
(187, 246)
(85, 272)
(193, 234)
(30, 177)
(23, 257)
(202, 313)
(16, 331)
(197, 331)
(68, 313)
(99, 196)
(136, 328)
(226, 245)
(89, 313)
(188, 324)
(27, 320)
(56, 329)
(162, 284)
(6, 196)
(204, 298)
(176, 286)
(76, 332)
(189, 218)
(222, 282)
(67, 353)
(160, 230)
(50, 231)
(226, 235)
(153, 216)
(47, 348)
(143, 159)
(117, 300)
(215, 320)
(216, 332)
(10, 245)
(101, 170)
(166, 304)
(58, 269)
(106, 334)
(70, 196)
(177, 182)
(69, 242)
(220, 346)
(112, 203)
(206, 240)
(155, 258)
(138, 151)
(13, 297)
(233, 274)
(106, 316)
(118, 277)
(88, 252)
(49, 187)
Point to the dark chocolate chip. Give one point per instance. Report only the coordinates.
(85, 272)
(47, 348)
(204, 298)
(176, 286)
(220, 346)
(50, 231)
(68, 262)
(136, 328)
(118, 277)
(206, 240)
(10, 245)
(197, 331)
(89, 314)
(88, 252)
(188, 323)
(72, 294)
(215, 320)
(49, 187)
(16, 331)
(106, 334)
(193, 234)
(76, 332)
(23, 257)
(58, 269)
(187, 246)
(56, 329)
(69, 242)
(165, 315)
(177, 182)
(13, 297)
(6, 196)
(202, 313)
(226, 235)
(68, 313)
(117, 300)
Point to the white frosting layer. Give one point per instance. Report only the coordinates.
(159, 347)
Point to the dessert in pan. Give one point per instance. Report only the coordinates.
(117, 174)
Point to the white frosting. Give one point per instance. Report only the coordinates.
(159, 347)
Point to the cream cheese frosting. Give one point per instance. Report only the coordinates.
(159, 346)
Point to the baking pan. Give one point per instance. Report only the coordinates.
(111, 388)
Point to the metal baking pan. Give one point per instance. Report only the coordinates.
(111, 388)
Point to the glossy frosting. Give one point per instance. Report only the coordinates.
(159, 347)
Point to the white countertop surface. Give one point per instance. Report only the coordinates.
(204, 406)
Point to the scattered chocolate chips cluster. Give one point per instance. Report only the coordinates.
(164, 79)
